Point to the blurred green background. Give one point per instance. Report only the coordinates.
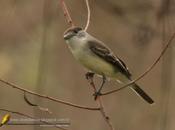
(34, 55)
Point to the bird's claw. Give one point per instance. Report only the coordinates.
(89, 75)
(97, 94)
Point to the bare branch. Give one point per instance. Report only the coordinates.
(147, 70)
(47, 97)
(99, 100)
(66, 13)
(27, 101)
(36, 105)
(88, 16)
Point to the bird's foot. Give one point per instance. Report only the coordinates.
(97, 94)
(89, 75)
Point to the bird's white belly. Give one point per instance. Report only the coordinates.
(94, 63)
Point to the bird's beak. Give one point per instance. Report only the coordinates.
(68, 35)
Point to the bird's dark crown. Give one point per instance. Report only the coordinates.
(71, 32)
(73, 29)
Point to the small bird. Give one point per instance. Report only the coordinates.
(99, 59)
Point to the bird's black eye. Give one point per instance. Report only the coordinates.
(76, 30)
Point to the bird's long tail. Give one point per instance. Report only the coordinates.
(122, 79)
(141, 93)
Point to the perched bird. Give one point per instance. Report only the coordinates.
(98, 58)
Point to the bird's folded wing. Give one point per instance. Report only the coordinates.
(106, 54)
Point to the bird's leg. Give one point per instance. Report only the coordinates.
(89, 75)
(98, 93)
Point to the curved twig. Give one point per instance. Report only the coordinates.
(88, 16)
(48, 97)
(147, 70)
(36, 105)
(27, 101)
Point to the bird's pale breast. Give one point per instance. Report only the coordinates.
(93, 62)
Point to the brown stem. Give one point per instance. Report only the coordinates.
(47, 97)
(147, 70)
(101, 106)
(66, 13)
(36, 105)
(88, 16)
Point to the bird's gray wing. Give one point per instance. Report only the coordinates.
(104, 52)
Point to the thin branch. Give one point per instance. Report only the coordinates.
(48, 97)
(66, 13)
(29, 116)
(99, 100)
(36, 105)
(27, 101)
(88, 16)
(103, 113)
(147, 70)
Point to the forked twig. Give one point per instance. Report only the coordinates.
(100, 103)
(68, 16)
